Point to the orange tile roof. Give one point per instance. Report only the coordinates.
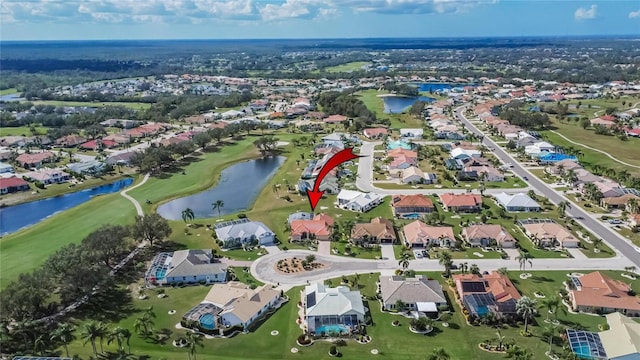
(499, 285)
(411, 200)
(458, 200)
(320, 226)
(599, 290)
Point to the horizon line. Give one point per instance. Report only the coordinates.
(347, 38)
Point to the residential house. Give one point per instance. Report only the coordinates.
(416, 293)
(597, 293)
(326, 309)
(90, 167)
(6, 168)
(234, 304)
(121, 123)
(358, 201)
(13, 184)
(70, 140)
(488, 173)
(488, 235)
(35, 160)
(48, 176)
(411, 133)
(419, 234)
(99, 144)
(237, 233)
(411, 206)
(333, 119)
(461, 153)
(316, 228)
(412, 175)
(547, 233)
(121, 158)
(185, 267)
(559, 167)
(379, 230)
(461, 202)
(517, 202)
(619, 202)
(119, 139)
(375, 133)
(329, 185)
(622, 340)
(482, 294)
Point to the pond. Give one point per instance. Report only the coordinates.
(399, 104)
(16, 217)
(435, 87)
(238, 187)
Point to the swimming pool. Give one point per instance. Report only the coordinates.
(332, 329)
(160, 273)
(208, 321)
(398, 144)
(412, 216)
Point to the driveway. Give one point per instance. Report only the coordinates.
(387, 252)
(324, 248)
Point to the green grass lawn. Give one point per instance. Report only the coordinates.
(623, 150)
(243, 274)
(8, 91)
(131, 105)
(22, 131)
(27, 249)
(348, 67)
(459, 339)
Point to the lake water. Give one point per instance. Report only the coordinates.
(399, 104)
(16, 217)
(440, 86)
(238, 187)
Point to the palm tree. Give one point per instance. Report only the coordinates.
(39, 345)
(446, 260)
(88, 333)
(404, 261)
(219, 204)
(464, 267)
(500, 339)
(526, 308)
(562, 207)
(64, 334)
(474, 269)
(143, 325)
(439, 354)
(103, 331)
(193, 340)
(523, 258)
(633, 206)
(126, 334)
(118, 335)
(187, 215)
(551, 304)
(524, 355)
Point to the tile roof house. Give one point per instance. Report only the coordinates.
(598, 293)
(461, 202)
(419, 234)
(517, 202)
(489, 173)
(416, 293)
(379, 230)
(358, 201)
(481, 294)
(619, 202)
(186, 266)
(13, 184)
(411, 205)
(411, 133)
(487, 235)
(48, 176)
(622, 340)
(335, 119)
(548, 234)
(316, 228)
(236, 304)
(35, 159)
(325, 306)
(375, 133)
(412, 175)
(563, 165)
(70, 140)
(236, 233)
(99, 144)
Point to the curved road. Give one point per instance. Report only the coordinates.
(615, 240)
(264, 268)
(594, 149)
(130, 198)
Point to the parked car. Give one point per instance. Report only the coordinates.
(615, 221)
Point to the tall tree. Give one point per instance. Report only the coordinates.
(151, 227)
(446, 260)
(194, 340)
(89, 333)
(64, 334)
(187, 215)
(562, 207)
(526, 308)
(107, 243)
(404, 261)
(218, 205)
(524, 257)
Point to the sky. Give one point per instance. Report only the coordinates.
(258, 19)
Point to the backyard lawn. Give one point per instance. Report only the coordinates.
(459, 339)
(22, 131)
(348, 67)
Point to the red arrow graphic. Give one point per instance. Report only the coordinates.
(337, 159)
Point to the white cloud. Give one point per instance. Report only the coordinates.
(586, 14)
(634, 15)
(200, 11)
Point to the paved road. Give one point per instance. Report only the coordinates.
(364, 181)
(588, 221)
(130, 198)
(264, 268)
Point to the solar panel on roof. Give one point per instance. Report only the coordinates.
(311, 299)
(473, 286)
(576, 281)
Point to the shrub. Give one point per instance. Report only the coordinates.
(39, 184)
(340, 342)
(303, 339)
(333, 350)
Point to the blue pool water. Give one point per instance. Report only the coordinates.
(398, 144)
(411, 216)
(208, 322)
(332, 329)
(160, 273)
(16, 217)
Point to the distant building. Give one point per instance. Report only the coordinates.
(241, 232)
